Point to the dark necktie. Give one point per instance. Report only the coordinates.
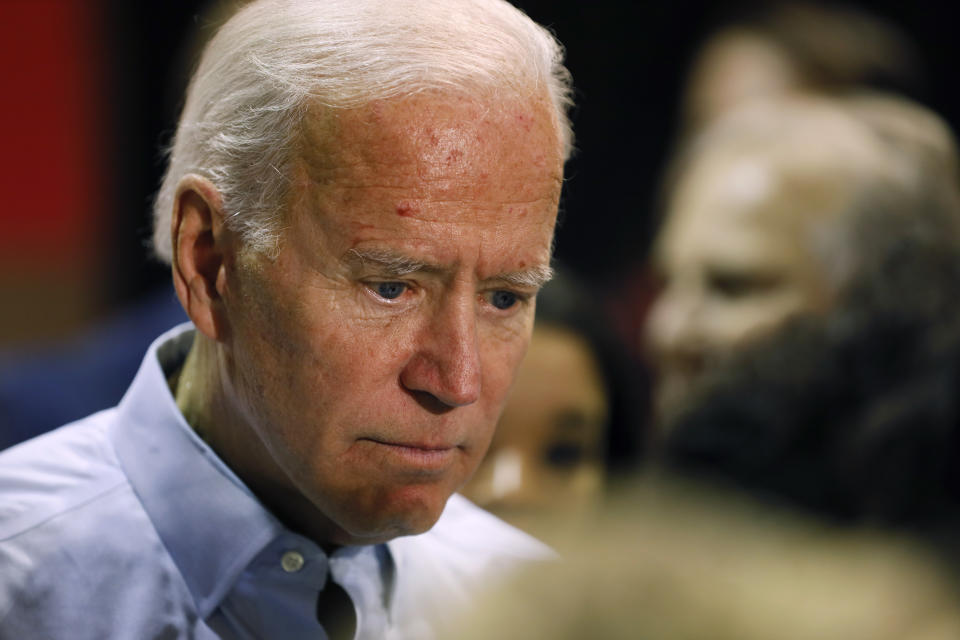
(335, 612)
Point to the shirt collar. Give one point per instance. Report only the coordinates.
(209, 521)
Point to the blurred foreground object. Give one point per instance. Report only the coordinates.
(672, 563)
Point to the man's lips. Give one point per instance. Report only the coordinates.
(404, 444)
(416, 455)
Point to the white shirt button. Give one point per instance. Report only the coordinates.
(292, 561)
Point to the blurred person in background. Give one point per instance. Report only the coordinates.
(755, 52)
(764, 219)
(570, 422)
(853, 414)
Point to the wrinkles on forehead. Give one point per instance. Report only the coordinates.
(455, 148)
(443, 180)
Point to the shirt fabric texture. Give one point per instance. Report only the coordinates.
(126, 525)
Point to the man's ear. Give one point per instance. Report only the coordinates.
(200, 252)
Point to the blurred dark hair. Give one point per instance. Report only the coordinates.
(566, 303)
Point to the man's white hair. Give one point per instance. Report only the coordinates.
(275, 58)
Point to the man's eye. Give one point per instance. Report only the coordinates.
(390, 290)
(503, 299)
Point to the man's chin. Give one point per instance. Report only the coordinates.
(385, 533)
(407, 514)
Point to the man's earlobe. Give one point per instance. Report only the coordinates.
(199, 253)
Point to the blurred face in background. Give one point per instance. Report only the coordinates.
(546, 459)
(738, 255)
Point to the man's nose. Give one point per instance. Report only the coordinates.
(446, 362)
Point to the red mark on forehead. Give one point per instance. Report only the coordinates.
(406, 209)
(525, 121)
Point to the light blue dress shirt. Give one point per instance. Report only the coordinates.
(126, 525)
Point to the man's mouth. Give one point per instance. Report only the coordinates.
(418, 455)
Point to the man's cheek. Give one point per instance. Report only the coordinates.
(503, 363)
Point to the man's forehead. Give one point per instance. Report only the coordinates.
(447, 177)
(438, 132)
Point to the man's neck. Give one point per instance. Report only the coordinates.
(202, 397)
(193, 388)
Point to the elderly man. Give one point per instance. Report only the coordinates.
(358, 213)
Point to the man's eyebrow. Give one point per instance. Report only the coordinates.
(393, 263)
(534, 277)
(388, 261)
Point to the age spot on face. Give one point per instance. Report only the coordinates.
(406, 209)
